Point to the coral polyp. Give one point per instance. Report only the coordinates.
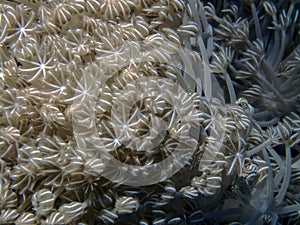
(149, 112)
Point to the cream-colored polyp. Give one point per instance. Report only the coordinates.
(170, 92)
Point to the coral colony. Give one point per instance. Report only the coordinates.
(149, 112)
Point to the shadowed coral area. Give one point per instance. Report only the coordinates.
(245, 163)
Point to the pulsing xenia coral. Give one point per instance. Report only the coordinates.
(266, 66)
(154, 100)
